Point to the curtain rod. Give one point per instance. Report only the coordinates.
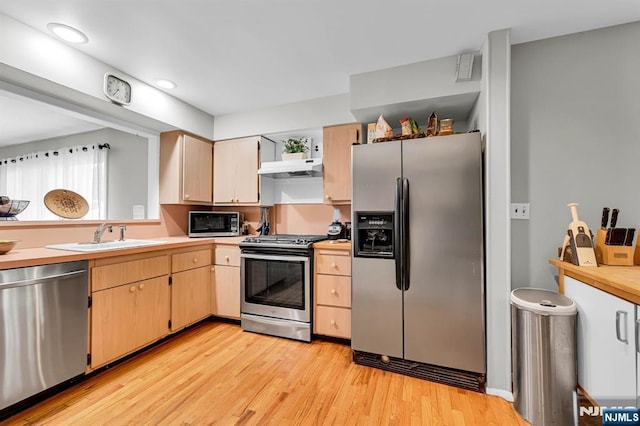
(46, 154)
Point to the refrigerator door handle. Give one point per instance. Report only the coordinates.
(397, 229)
(405, 233)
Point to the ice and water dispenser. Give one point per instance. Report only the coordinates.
(373, 234)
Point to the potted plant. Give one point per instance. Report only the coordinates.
(295, 149)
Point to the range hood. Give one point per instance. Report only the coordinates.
(309, 167)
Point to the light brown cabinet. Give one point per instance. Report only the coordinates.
(190, 287)
(337, 141)
(332, 291)
(186, 169)
(130, 305)
(235, 173)
(225, 300)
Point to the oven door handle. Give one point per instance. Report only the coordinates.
(275, 257)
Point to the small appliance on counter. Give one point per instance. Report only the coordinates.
(336, 230)
(214, 224)
(580, 239)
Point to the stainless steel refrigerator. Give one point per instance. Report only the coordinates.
(417, 265)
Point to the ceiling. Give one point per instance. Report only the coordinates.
(238, 55)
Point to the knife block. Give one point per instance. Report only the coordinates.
(636, 257)
(614, 255)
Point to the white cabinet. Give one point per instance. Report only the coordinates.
(606, 343)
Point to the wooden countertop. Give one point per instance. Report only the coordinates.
(621, 281)
(333, 245)
(18, 258)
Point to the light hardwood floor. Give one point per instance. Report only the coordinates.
(217, 374)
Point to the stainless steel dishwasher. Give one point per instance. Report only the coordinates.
(43, 328)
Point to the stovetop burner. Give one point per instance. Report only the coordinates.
(282, 239)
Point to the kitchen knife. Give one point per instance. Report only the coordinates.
(605, 217)
(617, 236)
(614, 217)
(629, 238)
(607, 239)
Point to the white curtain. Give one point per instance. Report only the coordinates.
(80, 169)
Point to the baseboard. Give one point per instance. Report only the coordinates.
(501, 393)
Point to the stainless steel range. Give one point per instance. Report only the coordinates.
(277, 285)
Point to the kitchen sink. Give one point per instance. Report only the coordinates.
(90, 246)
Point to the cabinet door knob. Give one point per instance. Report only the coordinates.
(333, 322)
(327, 197)
(186, 195)
(334, 291)
(232, 200)
(226, 258)
(132, 289)
(237, 200)
(195, 259)
(213, 268)
(333, 265)
(140, 286)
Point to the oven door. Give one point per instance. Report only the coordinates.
(276, 286)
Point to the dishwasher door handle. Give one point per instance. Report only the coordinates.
(42, 279)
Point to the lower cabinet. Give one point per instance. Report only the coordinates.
(190, 287)
(332, 301)
(127, 318)
(225, 300)
(606, 343)
(139, 299)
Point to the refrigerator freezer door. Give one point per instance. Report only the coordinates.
(444, 304)
(375, 168)
(376, 305)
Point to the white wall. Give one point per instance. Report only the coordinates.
(496, 119)
(314, 113)
(575, 138)
(35, 61)
(126, 170)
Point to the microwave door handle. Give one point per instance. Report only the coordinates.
(396, 233)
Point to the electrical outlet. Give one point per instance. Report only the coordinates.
(519, 210)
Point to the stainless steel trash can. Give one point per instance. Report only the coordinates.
(543, 345)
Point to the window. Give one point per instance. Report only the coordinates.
(82, 169)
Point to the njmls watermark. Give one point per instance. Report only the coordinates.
(614, 412)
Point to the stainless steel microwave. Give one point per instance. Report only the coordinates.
(215, 224)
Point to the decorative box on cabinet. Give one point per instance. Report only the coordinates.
(225, 300)
(332, 291)
(336, 179)
(130, 301)
(186, 169)
(190, 287)
(235, 172)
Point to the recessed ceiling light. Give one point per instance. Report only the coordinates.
(166, 84)
(67, 33)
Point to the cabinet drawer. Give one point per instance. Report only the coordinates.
(333, 290)
(330, 321)
(333, 264)
(190, 260)
(116, 274)
(227, 255)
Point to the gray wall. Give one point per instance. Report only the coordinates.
(127, 165)
(574, 138)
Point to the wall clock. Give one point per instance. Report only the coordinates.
(117, 89)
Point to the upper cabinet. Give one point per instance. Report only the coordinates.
(235, 172)
(186, 169)
(337, 141)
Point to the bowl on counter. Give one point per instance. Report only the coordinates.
(11, 209)
(7, 245)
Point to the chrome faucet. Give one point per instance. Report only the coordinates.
(122, 229)
(99, 231)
